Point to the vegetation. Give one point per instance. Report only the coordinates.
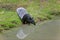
(39, 9)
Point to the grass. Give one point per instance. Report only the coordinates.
(39, 10)
(9, 19)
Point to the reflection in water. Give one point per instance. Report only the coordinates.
(21, 34)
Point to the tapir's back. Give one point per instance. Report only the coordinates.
(21, 12)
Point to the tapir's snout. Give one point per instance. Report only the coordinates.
(33, 22)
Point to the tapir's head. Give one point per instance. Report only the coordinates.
(30, 20)
(33, 22)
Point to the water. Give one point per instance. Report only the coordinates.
(21, 34)
(26, 30)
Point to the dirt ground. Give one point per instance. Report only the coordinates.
(45, 31)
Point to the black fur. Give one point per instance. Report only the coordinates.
(27, 19)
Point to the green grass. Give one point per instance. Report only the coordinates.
(9, 19)
(37, 9)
